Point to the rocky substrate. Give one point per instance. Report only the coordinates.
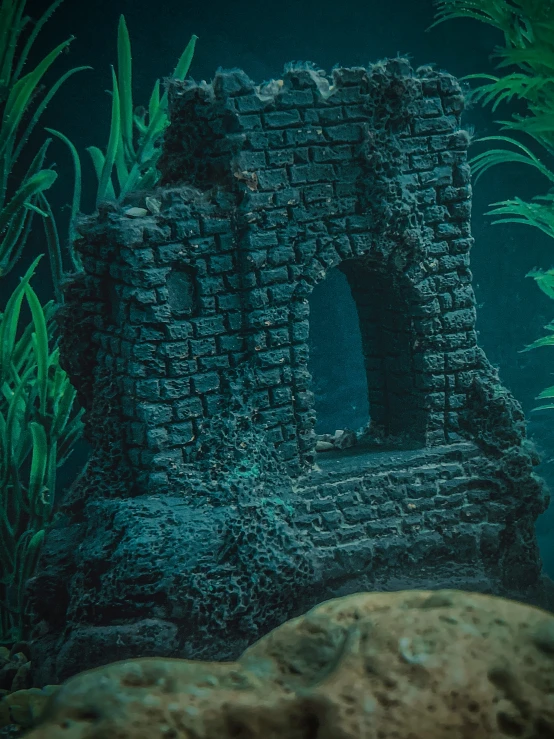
(440, 665)
(341, 439)
(20, 704)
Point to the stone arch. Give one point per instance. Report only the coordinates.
(399, 347)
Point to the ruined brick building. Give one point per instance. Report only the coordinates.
(205, 514)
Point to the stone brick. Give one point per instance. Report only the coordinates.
(188, 312)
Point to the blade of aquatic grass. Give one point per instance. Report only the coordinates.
(31, 187)
(15, 237)
(35, 209)
(55, 385)
(7, 10)
(51, 469)
(39, 461)
(37, 28)
(23, 348)
(20, 96)
(185, 60)
(40, 343)
(54, 249)
(64, 407)
(10, 29)
(98, 159)
(158, 121)
(124, 76)
(139, 119)
(154, 102)
(9, 320)
(120, 164)
(42, 107)
(76, 199)
(11, 26)
(13, 411)
(113, 142)
(23, 572)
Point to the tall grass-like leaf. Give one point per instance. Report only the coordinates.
(154, 102)
(10, 318)
(39, 463)
(41, 337)
(98, 162)
(124, 76)
(23, 348)
(35, 393)
(42, 107)
(34, 185)
(20, 96)
(113, 142)
(11, 25)
(76, 200)
(11, 421)
(15, 237)
(37, 28)
(120, 164)
(54, 249)
(136, 165)
(185, 60)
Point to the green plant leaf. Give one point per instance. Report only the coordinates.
(20, 96)
(54, 249)
(154, 102)
(11, 25)
(40, 341)
(38, 462)
(76, 200)
(37, 28)
(34, 185)
(113, 143)
(484, 161)
(185, 60)
(124, 77)
(15, 237)
(41, 108)
(10, 318)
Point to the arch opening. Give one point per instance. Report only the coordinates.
(361, 360)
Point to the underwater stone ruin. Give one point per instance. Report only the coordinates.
(205, 516)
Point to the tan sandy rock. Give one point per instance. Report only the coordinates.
(404, 665)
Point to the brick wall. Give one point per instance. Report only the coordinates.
(369, 174)
(204, 515)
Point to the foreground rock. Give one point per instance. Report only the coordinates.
(415, 664)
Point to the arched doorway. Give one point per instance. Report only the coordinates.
(362, 349)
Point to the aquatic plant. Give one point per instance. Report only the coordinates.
(133, 147)
(528, 29)
(39, 421)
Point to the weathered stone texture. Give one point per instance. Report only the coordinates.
(187, 339)
(441, 665)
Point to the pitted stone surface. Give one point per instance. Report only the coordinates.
(439, 665)
(204, 504)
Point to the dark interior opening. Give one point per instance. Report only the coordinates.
(336, 360)
(361, 359)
